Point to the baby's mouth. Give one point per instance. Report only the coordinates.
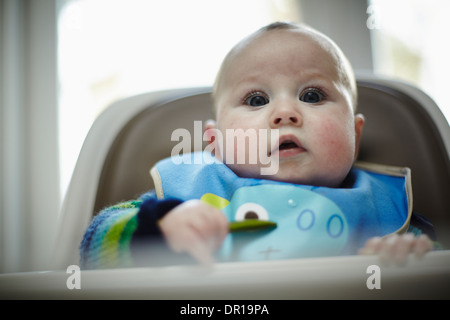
(288, 146)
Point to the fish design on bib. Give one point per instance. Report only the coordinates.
(272, 222)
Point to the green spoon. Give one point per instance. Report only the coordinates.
(251, 225)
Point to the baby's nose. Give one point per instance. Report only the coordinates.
(286, 115)
(286, 120)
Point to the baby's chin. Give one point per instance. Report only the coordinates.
(308, 180)
(289, 175)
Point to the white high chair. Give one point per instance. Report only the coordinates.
(404, 127)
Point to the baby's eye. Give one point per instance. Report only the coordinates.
(312, 95)
(256, 99)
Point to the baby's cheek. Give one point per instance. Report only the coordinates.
(337, 143)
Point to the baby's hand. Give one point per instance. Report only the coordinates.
(196, 228)
(396, 247)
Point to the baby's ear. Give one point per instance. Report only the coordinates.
(209, 131)
(359, 124)
(214, 138)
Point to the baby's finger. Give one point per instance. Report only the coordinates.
(193, 244)
(222, 228)
(372, 246)
(202, 253)
(422, 245)
(402, 248)
(388, 248)
(213, 228)
(206, 231)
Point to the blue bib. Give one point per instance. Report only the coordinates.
(310, 221)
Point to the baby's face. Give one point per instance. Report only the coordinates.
(287, 80)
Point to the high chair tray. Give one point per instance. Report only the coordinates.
(351, 277)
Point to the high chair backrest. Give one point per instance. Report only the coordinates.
(404, 127)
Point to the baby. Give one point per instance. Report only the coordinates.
(295, 80)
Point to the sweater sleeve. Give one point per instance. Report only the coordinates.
(108, 242)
